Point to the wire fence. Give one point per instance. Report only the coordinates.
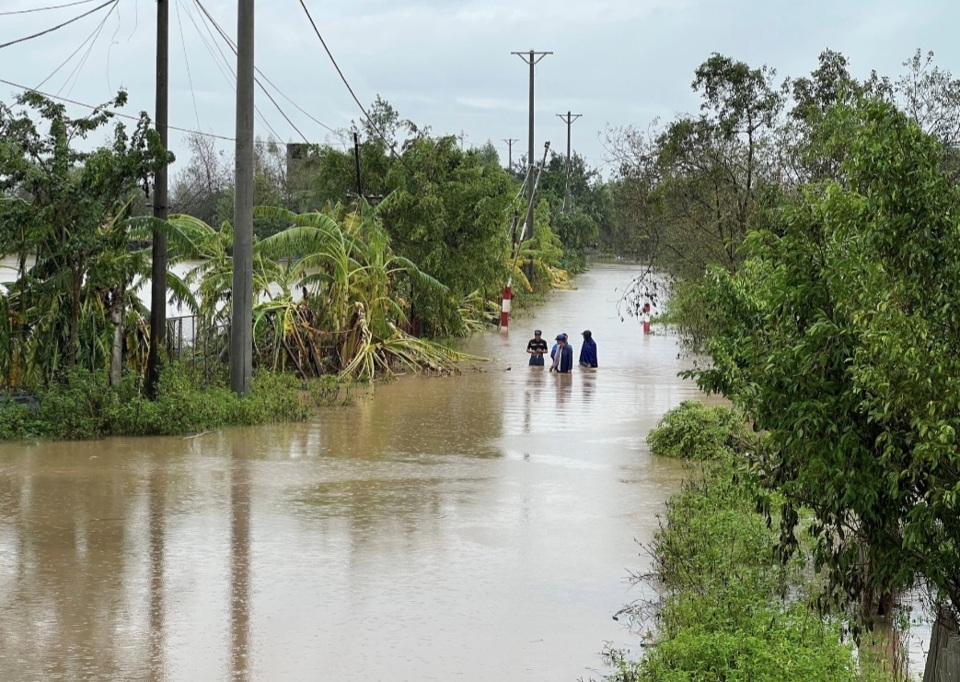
(202, 345)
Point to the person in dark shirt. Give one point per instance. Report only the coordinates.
(563, 359)
(588, 353)
(537, 348)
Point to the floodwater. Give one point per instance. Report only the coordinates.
(478, 528)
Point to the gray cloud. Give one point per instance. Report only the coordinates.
(447, 63)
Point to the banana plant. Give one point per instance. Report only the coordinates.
(342, 259)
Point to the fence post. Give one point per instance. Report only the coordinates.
(943, 659)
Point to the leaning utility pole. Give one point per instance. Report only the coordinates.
(356, 158)
(510, 142)
(241, 317)
(158, 285)
(532, 58)
(568, 119)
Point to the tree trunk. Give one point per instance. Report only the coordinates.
(72, 342)
(116, 354)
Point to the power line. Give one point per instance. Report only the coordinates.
(233, 47)
(186, 61)
(75, 74)
(113, 39)
(115, 113)
(58, 26)
(207, 45)
(93, 33)
(231, 80)
(352, 93)
(43, 9)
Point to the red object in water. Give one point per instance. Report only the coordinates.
(505, 308)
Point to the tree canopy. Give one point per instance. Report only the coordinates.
(63, 216)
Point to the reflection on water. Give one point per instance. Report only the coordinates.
(240, 561)
(476, 527)
(155, 523)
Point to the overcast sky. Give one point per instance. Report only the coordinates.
(447, 63)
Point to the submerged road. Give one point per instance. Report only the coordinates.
(477, 528)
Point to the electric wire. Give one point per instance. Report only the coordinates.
(373, 125)
(233, 47)
(344, 78)
(113, 40)
(186, 61)
(44, 9)
(232, 78)
(118, 114)
(94, 32)
(58, 26)
(75, 74)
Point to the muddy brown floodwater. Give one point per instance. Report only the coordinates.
(478, 527)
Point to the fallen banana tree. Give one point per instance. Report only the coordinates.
(328, 293)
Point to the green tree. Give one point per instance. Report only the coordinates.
(450, 215)
(838, 337)
(63, 217)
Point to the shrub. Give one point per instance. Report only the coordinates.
(696, 431)
(729, 610)
(723, 617)
(83, 406)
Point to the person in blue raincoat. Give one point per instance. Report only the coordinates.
(588, 352)
(563, 359)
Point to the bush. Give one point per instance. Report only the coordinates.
(83, 406)
(723, 617)
(766, 644)
(696, 431)
(15, 421)
(729, 610)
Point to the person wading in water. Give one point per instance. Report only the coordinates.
(537, 348)
(588, 352)
(563, 360)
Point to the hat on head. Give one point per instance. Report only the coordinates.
(537, 332)
(586, 333)
(564, 335)
(561, 337)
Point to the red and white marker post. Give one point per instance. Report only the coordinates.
(505, 308)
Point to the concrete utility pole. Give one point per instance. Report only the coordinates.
(510, 142)
(241, 318)
(158, 285)
(356, 158)
(568, 119)
(532, 58)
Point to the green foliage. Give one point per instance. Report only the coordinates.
(730, 609)
(700, 181)
(580, 205)
(85, 407)
(700, 432)
(448, 212)
(762, 643)
(64, 216)
(451, 217)
(724, 616)
(838, 336)
(355, 312)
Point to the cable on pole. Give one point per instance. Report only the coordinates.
(352, 93)
(94, 34)
(114, 113)
(58, 26)
(44, 9)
